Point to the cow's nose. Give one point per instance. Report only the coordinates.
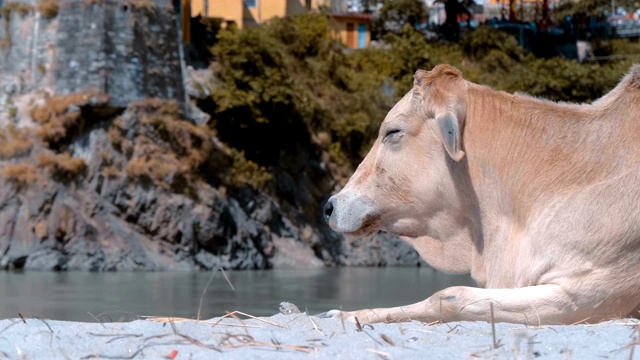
(328, 210)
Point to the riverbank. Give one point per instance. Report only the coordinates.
(298, 336)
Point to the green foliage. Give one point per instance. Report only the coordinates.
(561, 79)
(288, 80)
(246, 172)
(586, 7)
(395, 14)
(289, 87)
(410, 52)
(479, 43)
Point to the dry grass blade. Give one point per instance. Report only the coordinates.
(47, 324)
(636, 335)
(118, 335)
(226, 278)
(314, 324)
(207, 287)
(233, 314)
(452, 328)
(9, 326)
(177, 320)
(249, 341)
(22, 317)
(495, 344)
(358, 326)
(170, 319)
(303, 348)
(192, 340)
(372, 338)
(204, 291)
(621, 324)
(380, 354)
(134, 354)
(387, 340)
(96, 319)
(236, 317)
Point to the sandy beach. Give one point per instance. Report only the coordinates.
(299, 336)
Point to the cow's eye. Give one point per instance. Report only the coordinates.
(392, 134)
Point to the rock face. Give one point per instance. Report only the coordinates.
(99, 177)
(128, 50)
(121, 192)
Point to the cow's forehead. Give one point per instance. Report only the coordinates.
(402, 110)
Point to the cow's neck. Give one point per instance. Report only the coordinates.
(517, 154)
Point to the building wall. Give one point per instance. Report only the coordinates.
(349, 35)
(230, 10)
(256, 13)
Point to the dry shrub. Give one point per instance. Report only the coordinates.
(191, 142)
(117, 136)
(161, 146)
(19, 7)
(48, 8)
(23, 174)
(169, 150)
(14, 142)
(162, 169)
(111, 171)
(55, 131)
(62, 167)
(60, 116)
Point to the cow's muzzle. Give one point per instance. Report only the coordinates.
(348, 212)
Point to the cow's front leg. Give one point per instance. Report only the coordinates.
(533, 305)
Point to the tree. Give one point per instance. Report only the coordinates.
(452, 9)
(395, 14)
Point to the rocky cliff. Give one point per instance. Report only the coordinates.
(101, 170)
(126, 192)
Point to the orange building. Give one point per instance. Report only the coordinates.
(353, 29)
(252, 12)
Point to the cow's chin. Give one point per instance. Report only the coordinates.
(362, 232)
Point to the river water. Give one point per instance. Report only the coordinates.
(122, 296)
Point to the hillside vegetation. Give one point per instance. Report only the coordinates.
(289, 85)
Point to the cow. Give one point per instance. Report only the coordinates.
(538, 200)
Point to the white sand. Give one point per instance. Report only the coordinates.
(299, 336)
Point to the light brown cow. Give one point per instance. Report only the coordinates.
(539, 201)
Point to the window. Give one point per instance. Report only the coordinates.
(251, 3)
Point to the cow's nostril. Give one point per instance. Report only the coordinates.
(328, 210)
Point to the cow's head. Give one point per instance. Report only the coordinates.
(405, 183)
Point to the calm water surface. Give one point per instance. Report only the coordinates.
(121, 296)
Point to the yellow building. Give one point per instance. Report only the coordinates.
(252, 12)
(353, 29)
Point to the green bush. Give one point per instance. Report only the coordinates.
(287, 80)
(279, 86)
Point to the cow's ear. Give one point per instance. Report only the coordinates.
(449, 130)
